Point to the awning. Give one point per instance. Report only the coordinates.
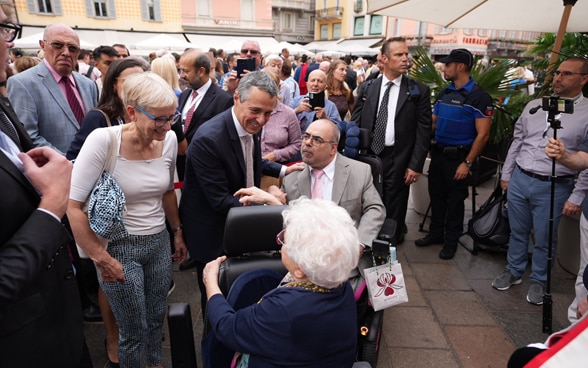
(358, 46)
(318, 46)
(230, 44)
(364, 42)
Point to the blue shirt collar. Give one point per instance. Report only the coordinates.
(468, 86)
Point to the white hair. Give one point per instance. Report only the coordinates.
(322, 239)
(272, 57)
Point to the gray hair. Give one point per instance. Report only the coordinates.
(148, 90)
(322, 239)
(259, 80)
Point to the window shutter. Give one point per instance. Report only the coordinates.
(57, 7)
(31, 7)
(144, 10)
(89, 8)
(111, 9)
(157, 10)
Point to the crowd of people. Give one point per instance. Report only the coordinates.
(192, 118)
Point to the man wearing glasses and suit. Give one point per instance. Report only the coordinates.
(39, 301)
(51, 99)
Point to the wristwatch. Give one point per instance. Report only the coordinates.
(468, 163)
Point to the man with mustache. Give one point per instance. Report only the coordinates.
(51, 99)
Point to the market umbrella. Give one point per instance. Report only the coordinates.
(294, 49)
(32, 42)
(516, 15)
(164, 41)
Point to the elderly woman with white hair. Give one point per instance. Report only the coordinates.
(310, 320)
(274, 61)
(135, 271)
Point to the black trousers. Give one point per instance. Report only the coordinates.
(447, 197)
(396, 192)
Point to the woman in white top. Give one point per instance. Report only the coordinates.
(135, 272)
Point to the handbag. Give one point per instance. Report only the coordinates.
(385, 284)
(106, 202)
(489, 225)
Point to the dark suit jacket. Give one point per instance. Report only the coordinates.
(40, 313)
(412, 123)
(215, 170)
(214, 102)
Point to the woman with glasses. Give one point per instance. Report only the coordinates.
(135, 271)
(310, 319)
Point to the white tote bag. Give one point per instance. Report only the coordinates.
(385, 284)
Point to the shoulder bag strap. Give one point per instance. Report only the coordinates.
(112, 152)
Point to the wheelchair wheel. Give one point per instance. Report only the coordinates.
(369, 350)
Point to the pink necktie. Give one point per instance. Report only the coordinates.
(249, 159)
(72, 100)
(190, 112)
(317, 187)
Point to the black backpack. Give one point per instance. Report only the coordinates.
(489, 225)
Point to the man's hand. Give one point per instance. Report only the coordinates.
(570, 209)
(277, 192)
(504, 184)
(320, 113)
(299, 166)
(555, 149)
(254, 195)
(50, 173)
(461, 172)
(303, 107)
(410, 177)
(232, 82)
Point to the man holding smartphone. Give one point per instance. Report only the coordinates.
(314, 105)
(250, 50)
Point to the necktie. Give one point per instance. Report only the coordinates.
(317, 187)
(379, 139)
(72, 100)
(10, 130)
(190, 112)
(249, 159)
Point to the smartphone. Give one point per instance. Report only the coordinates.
(316, 99)
(245, 64)
(564, 105)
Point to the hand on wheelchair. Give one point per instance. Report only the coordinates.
(210, 276)
(254, 195)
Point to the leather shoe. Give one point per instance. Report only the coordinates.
(188, 263)
(92, 313)
(427, 240)
(448, 251)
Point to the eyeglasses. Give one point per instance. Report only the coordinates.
(160, 121)
(58, 46)
(565, 74)
(280, 238)
(10, 31)
(314, 139)
(250, 51)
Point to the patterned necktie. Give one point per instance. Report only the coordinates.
(72, 100)
(379, 139)
(190, 112)
(317, 187)
(249, 159)
(10, 130)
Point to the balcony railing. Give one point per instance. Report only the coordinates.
(330, 13)
(292, 4)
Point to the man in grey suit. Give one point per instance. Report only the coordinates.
(346, 182)
(40, 94)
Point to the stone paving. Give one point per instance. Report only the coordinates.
(454, 318)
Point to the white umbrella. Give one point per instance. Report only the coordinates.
(331, 53)
(164, 41)
(355, 49)
(294, 49)
(520, 15)
(32, 42)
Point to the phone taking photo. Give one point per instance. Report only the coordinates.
(245, 64)
(316, 99)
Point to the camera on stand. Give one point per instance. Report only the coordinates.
(556, 104)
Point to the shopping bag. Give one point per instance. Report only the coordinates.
(385, 284)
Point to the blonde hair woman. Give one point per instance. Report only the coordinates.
(165, 67)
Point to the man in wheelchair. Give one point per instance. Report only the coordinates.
(332, 176)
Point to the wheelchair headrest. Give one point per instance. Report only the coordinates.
(364, 139)
(252, 229)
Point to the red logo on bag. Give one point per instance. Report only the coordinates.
(386, 283)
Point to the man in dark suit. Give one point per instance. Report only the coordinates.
(39, 302)
(351, 77)
(397, 112)
(217, 166)
(202, 101)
